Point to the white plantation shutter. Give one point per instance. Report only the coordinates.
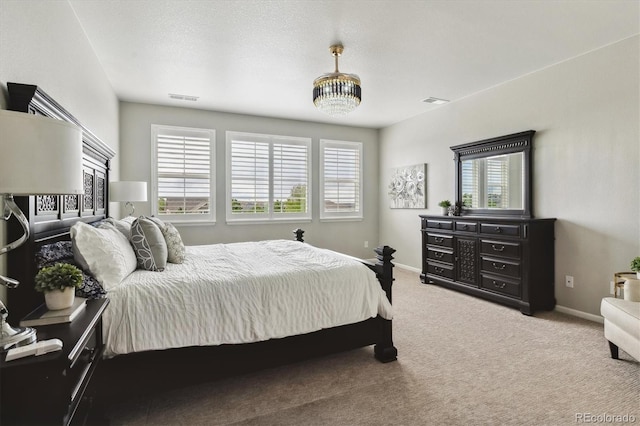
(290, 172)
(341, 179)
(497, 174)
(485, 183)
(249, 177)
(470, 184)
(268, 177)
(183, 173)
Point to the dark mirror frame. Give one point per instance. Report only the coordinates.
(514, 143)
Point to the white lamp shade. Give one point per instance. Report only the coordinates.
(39, 155)
(128, 191)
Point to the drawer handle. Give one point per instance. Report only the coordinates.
(498, 229)
(438, 270)
(499, 285)
(90, 351)
(464, 226)
(439, 225)
(438, 254)
(496, 248)
(438, 239)
(499, 268)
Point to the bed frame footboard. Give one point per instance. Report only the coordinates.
(384, 350)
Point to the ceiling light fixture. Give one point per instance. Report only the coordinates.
(337, 93)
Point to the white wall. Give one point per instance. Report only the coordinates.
(586, 159)
(42, 43)
(348, 237)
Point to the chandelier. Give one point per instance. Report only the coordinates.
(337, 93)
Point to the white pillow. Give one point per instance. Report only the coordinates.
(107, 254)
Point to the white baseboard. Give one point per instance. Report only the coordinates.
(580, 314)
(407, 267)
(559, 308)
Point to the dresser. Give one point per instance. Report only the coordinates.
(505, 260)
(50, 389)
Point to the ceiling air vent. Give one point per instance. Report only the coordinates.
(435, 101)
(183, 97)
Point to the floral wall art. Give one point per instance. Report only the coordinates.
(407, 189)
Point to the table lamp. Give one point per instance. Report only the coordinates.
(38, 156)
(128, 192)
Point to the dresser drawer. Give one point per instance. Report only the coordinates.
(466, 226)
(500, 229)
(440, 224)
(498, 285)
(501, 266)
(500, 248)
(440, 240)
(440, 255)
(440, 269)
(79, 372)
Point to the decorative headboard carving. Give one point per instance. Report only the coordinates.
(51, 216)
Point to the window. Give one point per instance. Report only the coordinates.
(268, 177)
(183, 181)
(340, 180)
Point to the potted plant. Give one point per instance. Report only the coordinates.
(445, 204)
(635, 266)
(58, 283)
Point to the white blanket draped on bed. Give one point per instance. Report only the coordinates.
(240, 293)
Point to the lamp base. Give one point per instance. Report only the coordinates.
(130, 205)
(13, 337)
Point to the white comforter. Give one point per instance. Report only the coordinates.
(240, 293)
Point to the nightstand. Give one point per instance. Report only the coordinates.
(50, 389)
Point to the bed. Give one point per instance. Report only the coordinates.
(52, 217)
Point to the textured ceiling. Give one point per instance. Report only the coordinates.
(260, 57)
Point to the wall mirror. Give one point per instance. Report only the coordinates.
(493, 176)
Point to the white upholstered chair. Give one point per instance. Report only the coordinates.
(622, 325)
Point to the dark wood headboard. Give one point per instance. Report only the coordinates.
(51, 216)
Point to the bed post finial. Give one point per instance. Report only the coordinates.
(299, 233)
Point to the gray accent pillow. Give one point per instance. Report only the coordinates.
(148, 244)
(175, 246)
(158, 222)
(123, 226)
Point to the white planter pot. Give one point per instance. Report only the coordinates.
(445, 211)
(632, 290)
(59, 299)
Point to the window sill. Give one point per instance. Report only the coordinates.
(342, 219)
(265, 221)
(189, 222)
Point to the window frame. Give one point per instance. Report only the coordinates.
(209, 218)
(270, 216)
(357, 215)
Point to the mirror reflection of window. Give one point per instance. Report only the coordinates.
(493, 182)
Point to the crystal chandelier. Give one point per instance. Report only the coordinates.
(337, 93)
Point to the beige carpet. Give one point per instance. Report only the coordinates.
(462, 361)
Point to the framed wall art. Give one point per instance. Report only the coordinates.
(408, 189)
